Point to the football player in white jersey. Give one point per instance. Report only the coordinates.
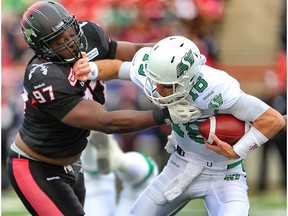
(172, 71)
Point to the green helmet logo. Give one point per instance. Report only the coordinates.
(186, 63)
(28, 33)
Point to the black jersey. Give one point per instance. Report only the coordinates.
(51, 91)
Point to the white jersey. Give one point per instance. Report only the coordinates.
(215, 91)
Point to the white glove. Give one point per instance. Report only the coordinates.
(183, 112)
(170, 145)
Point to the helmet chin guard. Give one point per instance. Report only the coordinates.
(174, 61)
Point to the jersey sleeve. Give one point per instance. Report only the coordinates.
(231, 91)
(99, 43)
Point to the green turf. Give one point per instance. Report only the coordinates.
(266, 204)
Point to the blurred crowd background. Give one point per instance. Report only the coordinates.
(246, 38)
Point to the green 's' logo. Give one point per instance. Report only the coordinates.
(28, 33)
(216, 102)
(186, 63)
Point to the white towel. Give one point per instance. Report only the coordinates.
(177, 185)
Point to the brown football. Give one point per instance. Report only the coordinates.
(226, 127)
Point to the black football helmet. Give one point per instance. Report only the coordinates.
(44, 21)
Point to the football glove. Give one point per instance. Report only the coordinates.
(177, 113)
(183, 113)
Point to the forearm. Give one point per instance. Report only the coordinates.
(270, 123)
(122, 121)
(263, 129)
(91, 115)
(108, 69)
(265, 120)
(101, 69)
(111, 69)
(126, 121)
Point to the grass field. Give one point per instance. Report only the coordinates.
(267, 204)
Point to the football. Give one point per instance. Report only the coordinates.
(226, 127)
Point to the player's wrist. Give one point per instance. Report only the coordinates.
(161, 116)
(93, 71)
(250, 141)
(233, 154)
(124, 71)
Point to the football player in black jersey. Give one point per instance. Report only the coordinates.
(43, 163)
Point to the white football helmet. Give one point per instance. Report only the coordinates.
(172, 61)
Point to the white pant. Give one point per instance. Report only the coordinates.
(224, 192)
(101, 194)
(135, 171)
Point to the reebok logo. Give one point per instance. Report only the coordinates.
(53, 178)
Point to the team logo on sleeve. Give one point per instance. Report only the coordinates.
(186, 63)
(43, 68)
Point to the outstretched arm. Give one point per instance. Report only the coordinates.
(89, 114)
(110, 69)
(106, 69)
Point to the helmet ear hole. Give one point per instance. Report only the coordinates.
(203, 59)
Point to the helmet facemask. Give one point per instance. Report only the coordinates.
(180, 90)
(78, 43)
(173, 61)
